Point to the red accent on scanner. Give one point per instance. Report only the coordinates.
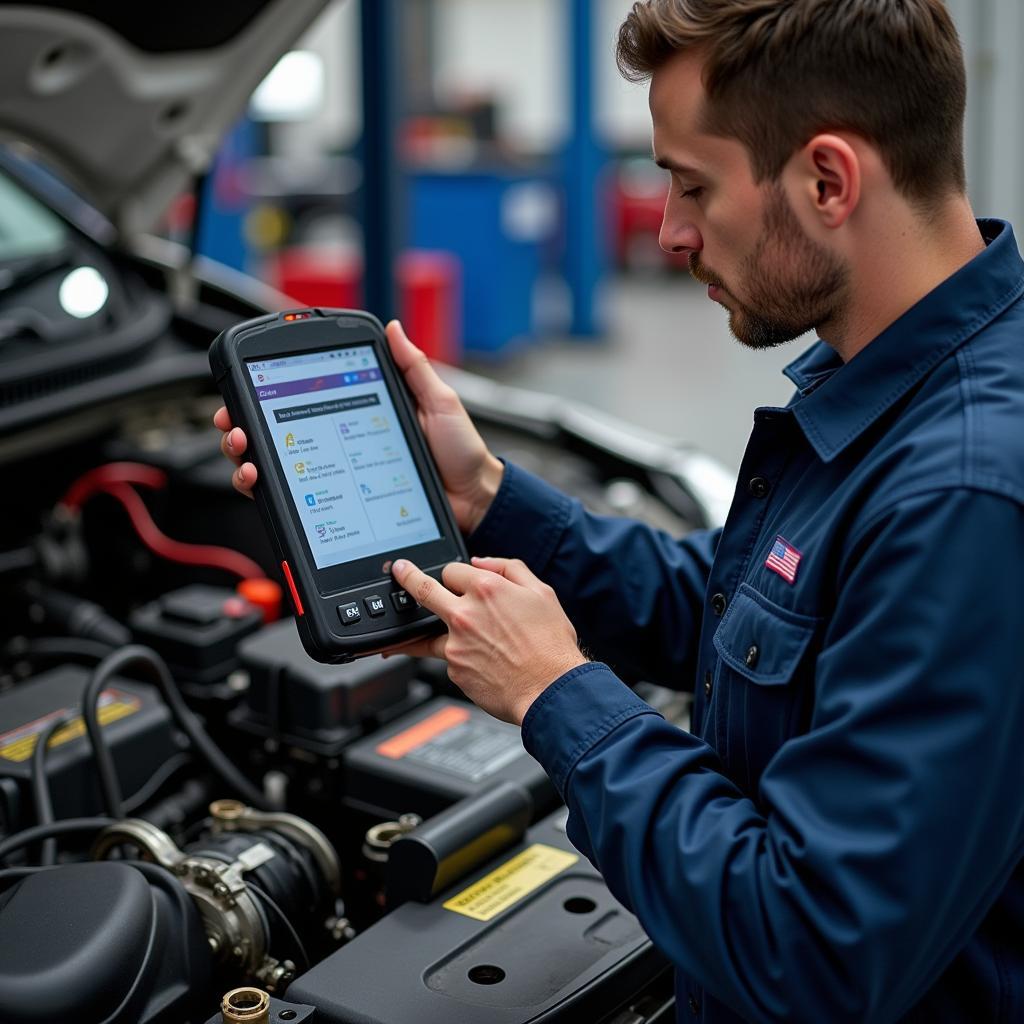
(291, 586)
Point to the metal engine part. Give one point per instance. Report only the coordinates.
(379, 838)
(245, 1006)
(233, 914)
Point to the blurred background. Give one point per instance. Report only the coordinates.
(479, 168)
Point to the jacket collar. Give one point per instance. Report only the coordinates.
(838, 401)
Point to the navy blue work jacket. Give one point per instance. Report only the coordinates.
(841, 837)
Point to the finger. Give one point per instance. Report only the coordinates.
(513, 570)
(424, 590)
(221, 419)
(233, 444)
(243, 478)
(432, 394)
(458, 577)
(405, 647)
(433, 647)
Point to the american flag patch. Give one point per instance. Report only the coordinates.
(784, 559)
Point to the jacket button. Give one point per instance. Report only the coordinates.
(759, 487)
(718, 604)
(708, 677)
(694, 1006)
(752, 655)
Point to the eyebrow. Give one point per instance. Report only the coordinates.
(671, 165)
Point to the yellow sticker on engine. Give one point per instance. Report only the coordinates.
(515, 879)
(18, 744)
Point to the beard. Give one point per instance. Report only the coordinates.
(792, 283)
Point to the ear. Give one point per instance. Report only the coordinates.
(829, 171)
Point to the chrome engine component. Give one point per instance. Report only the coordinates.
(234, 912)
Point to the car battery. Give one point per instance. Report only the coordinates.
(428, 759)
(197, 630)
(318, 708)
(534, 935)
(135, 722)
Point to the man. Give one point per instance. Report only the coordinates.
(841, 836)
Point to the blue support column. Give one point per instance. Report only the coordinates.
(583, 169)
(219, 231)
(382, 189)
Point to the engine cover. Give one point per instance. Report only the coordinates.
(93, 943)
(534, 936)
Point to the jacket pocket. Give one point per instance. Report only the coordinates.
(763, 684)
(762, 641)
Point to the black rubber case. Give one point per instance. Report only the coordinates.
(320, 595)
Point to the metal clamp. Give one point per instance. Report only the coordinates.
(234, 816)
(232, 918)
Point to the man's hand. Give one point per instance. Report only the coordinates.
(470, 473)
(233, 444)
(508, 639)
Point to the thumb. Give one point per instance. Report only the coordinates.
(404, 352)
(422, 378)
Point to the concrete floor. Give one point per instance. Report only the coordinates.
(668, 364)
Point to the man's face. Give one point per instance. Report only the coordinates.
(743, 239)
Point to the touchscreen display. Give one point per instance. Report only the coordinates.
(343, 452)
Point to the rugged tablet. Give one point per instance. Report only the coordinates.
(346, 483)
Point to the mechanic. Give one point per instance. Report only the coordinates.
(840, 838)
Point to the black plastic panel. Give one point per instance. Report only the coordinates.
(567, 951)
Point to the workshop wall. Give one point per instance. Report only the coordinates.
(993, 34)
(470, 52)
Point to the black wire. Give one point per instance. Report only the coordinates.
(186, 720)
(194, 830)
(54, 828)
(293, 934)
(58, 647)
(110, 785)
(41, 785)
(150, 788)
(17, 560)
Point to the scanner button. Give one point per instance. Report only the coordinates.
(374, 605)
(402, 601)
(349, 613)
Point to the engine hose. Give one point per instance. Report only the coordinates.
(185, 719)
(55, 828)
(41, 786)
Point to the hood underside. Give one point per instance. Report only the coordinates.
(130, 101)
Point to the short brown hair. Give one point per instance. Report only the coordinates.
(777, 72)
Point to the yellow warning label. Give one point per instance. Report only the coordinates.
(508, 884)
(18, 744)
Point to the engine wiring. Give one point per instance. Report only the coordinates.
(66, 826)
(156, 669)
(41, 787)
(304, 962)
(135, 655)
(119, 480)
(160, 778)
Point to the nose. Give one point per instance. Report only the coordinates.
(678, 232)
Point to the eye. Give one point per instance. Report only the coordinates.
(692, 193)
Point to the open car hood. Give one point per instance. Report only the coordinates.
(130, 101)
